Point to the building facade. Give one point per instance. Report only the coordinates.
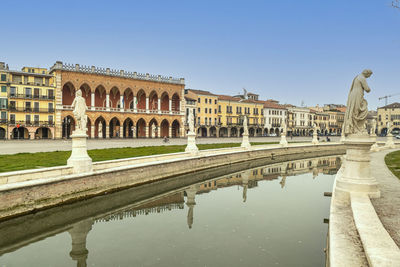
(300, 121)
(389, 113)
(30, 103)
(120, 104)
(274, 116)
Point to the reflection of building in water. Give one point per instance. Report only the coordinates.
(167, 203)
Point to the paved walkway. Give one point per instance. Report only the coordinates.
(21, 146)
(388, 205)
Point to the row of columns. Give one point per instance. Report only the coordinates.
(146, 128)
(134, 103)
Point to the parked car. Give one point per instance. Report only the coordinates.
(272, 134)
(397, 136)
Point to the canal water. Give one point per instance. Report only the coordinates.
(269, 215)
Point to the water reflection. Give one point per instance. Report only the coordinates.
(78, 219)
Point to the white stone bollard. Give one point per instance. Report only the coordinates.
(315, 138)
(283, 141)
(390, 141)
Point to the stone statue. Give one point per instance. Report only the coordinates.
(80, 108)
(134, 131)
(284, 128)
(191, 121)
(245, 129)
(357, 107)
(100, 129)
(153, 130)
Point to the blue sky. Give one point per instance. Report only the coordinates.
(291, 51)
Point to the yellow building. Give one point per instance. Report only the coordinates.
(232, 111)
(389, 113)
(3, 100)
(30, 103)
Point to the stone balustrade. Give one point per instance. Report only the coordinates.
(118, 73)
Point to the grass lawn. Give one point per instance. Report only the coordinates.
(392, 160)
(24, 161)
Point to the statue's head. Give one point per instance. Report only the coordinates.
(79, 93)
(367, 73)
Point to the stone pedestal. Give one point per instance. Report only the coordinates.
(390, 141)
(283, 141)
(315, 138)
(79, 232)
(355, 175)
(342, 138)
(245, 141)
(190, 202)
(79, 159)
(191, 143)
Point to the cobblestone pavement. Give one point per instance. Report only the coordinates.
(21, 146)
(388, 205)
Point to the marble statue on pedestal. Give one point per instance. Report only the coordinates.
(80, 108)
(191, 135)
(373, 128)
(315, 135)
(355, 175)
(245, 138)
(357, 107)
(283, 141)
(79, 159)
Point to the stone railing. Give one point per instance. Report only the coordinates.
(118, 73)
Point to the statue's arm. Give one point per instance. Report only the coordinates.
(73, 103)
(365, 85)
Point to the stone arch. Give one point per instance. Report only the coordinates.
(68, 93)
(141, 99)
(234, 132)
(153, 128)
(128, 128)
(128, 98)
(277, 132)
(20, 133)
(114, 97)
(141, 128)
(241, 130)
(86, 93)
(223, 132)
(100, 131)
(100, 96)
(153, 100)
(213, 131)
(165, 101)
(265, 131)
(43, 133)
(68, 126)
(164, 128)
(176, 102)
(175, 129)
(202, 131)
(259, 132)
(251, 131)
(3, 133)
(114, 128)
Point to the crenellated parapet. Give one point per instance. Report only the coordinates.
(117, 73)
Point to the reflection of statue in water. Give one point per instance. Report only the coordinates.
(79, 106)
(283, 181)
(357, 107)
(245, 128)
(191, 121)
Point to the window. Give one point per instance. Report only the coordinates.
(215, 111)
(215, 101)
(28, 119)
(198, 110)
(28, 92)
(36, 119)
(13, 106)
(3, 103)
(12, 118)
(4, 89)
(51, 109)
(210, 111)
(3, 77)
(205, 110)
(28, 106)
(13, 91)
(36, 107)
(3, 116)
(219, 108)
(50, 93)
(50, 119)
(36, 93)
(198, 120)
(198, 100)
